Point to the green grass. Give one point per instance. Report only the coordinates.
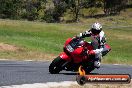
(33, 37)
(120, 40)
(40, 41)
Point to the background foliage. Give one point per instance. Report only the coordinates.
(54, 10)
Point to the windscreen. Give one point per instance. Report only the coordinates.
(75, 43)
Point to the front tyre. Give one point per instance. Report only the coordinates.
(56, 65)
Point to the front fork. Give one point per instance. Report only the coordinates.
(68, 65)
(64, 56)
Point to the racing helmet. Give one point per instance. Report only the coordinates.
(96, 28)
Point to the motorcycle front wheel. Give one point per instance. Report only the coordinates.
(56, 65)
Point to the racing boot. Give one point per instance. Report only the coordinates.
(97, 64)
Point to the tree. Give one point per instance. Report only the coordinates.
(114, 6)
(60, 7)
(10, 8)
(75, 6)
(33, 7)
(16, 9)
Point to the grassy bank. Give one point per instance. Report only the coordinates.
(40, 41)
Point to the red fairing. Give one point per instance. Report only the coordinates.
(108, 46)
(77, 55)
(67, 41)
(64, 56)
(89, 47)
(78, 51)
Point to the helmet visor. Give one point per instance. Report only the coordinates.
(95, 31)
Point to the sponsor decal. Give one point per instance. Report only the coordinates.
(82, 78)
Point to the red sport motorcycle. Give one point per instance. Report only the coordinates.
(73, 56)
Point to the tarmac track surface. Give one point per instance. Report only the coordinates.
(25, 72)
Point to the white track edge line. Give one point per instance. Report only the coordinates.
(44, 85)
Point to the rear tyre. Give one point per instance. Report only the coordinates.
(89, 69)
(56, 65)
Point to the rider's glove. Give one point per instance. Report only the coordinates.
(91, 52)
(76, 37)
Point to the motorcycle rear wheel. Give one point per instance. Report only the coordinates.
(56, 65)
(89, 69)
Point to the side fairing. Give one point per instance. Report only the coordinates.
(77, 55)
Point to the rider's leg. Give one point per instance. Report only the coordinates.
(99, 56)
(97, 60)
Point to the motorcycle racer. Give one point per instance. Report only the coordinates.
(98, 42)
